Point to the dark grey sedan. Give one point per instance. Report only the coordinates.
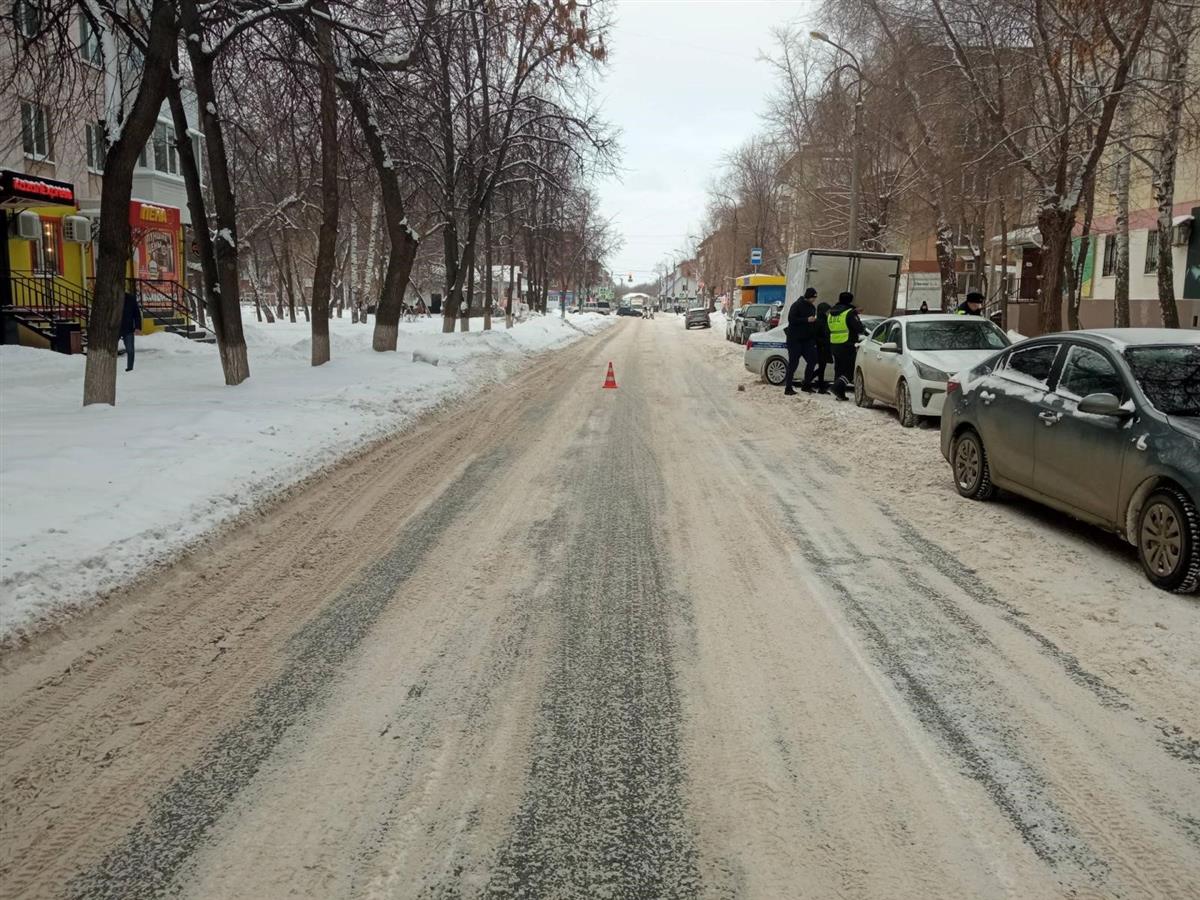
(1103, 425)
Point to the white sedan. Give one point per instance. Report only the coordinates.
(906, 361)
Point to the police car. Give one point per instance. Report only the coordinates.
(766, 353)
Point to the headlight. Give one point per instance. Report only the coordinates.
(929, 373)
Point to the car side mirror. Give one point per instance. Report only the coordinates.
(1103, 405)
(889, 347)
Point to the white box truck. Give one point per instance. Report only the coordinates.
(873, 278)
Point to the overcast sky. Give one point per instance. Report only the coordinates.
(684, 85)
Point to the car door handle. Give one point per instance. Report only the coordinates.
(987, 397)
(1050, 418)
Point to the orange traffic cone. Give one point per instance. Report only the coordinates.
(610, 380)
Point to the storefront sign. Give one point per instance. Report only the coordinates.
(156, 235)
(18, 189)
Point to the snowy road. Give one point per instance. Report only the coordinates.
(673, 640)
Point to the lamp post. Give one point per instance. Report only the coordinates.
(855, 138)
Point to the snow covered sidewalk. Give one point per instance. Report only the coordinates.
(90, 497)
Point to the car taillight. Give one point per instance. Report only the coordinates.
(952, 386)
(747, 343)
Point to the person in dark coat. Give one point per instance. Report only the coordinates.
(824, 349)
(972, 306)
(131, 321)
(924, 307)
(802, 342)
(845, 329)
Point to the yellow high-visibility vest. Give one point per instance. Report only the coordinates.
(839, 328)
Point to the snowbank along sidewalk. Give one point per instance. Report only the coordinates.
(90, 497)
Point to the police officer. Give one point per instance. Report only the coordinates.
(845, 328)
(802, 342)
(972, 306)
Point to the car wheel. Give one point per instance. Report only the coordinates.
(775, 371)
(860, 391)
(904, 410)
(972, 475)
(1168, 541)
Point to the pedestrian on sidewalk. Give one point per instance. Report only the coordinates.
(845, 329)
(824, 348)
(802, 342)
(131, 322)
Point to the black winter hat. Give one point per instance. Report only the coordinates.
(810, 292)
(974, 297)
(846, 298)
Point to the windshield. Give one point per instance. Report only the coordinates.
(758, 310)
(1169, 377)
(969, 334)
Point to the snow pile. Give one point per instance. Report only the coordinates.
(90, 497)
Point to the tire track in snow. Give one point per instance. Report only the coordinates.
(147, 861)
(603, 812)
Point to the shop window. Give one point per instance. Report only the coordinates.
(89, 42)
(96, 149)
(1151, 252)
(1109, 265)
(35, 130)
(28, 14)
(47, 250)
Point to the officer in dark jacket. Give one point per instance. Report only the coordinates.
(802, 342)
(824, 348)
(972, 306)
(131, 321)
(845, 328)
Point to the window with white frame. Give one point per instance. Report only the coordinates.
(96, 149)
(160, 153)
(89, 42)
(35, 130)
(28, 14)
(1151, 252)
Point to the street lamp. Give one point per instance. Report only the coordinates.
(856, 137)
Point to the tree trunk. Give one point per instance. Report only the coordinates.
(1079, 263)
(1121, 236)
(1055, 225)
(114, 239)
(469, 299)
(947, 264)
(487, 274)
(327, 235)
(226, 313)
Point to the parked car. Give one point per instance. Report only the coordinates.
(603, 307)
(753, 320)
(766, 353)
(697, 315)
(906, 361)
(1103, 425)
(731, 323)
(775, 316)
(628, 311)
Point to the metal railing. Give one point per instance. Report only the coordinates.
(51, 297)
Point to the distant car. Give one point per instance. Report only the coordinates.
(628, 311)
(603, 307)
(766, 352)
(697, 315)
(731, 323)
(753, 320)
(906, 361)
(1103, 425)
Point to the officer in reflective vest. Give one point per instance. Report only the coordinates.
(845, 328)
(972, 306)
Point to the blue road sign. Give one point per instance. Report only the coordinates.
(756, 256)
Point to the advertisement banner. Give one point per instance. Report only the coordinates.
(155, 240)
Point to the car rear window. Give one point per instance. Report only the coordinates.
(758, 310)
(968, 334)
(1169, 376)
